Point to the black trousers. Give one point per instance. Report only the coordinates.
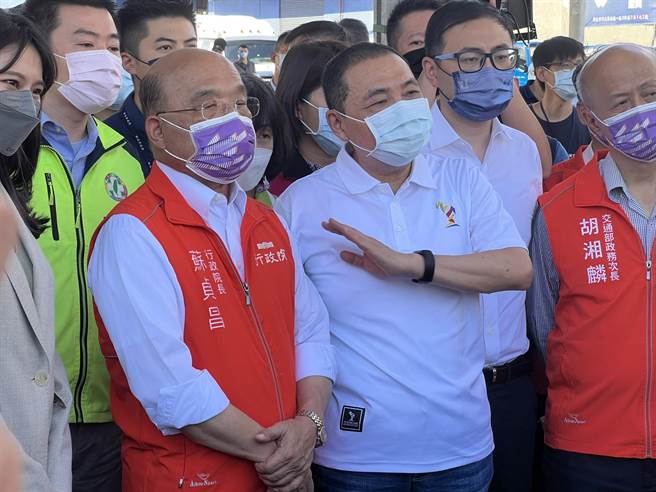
(514, 419)
(96, 457)
(574, 472)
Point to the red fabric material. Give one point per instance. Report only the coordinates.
(563, 170)
(600, 359)
(249, 352)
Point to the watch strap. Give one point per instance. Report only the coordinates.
(429, 267)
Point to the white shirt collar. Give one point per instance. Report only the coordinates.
(357, 180)
(201, 197)
(588, 154)
(444, 135)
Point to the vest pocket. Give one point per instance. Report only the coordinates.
(53, 207)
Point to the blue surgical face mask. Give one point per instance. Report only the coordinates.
(330, 143)
(401, 131)
(564, 84)
(482, 95)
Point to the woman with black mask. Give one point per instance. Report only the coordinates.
(34, 394)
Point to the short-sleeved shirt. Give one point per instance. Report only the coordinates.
(410, 395)
(570, 132)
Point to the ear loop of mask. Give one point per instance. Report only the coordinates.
(369, 152)
(186, 161)
(310, 131)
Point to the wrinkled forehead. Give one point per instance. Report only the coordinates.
(618, 66)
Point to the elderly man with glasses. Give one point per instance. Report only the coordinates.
(216, 341)
(471, 61)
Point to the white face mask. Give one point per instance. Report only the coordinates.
(253, 175)
(401, 131)
(94, 80)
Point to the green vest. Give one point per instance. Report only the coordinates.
(111, 174)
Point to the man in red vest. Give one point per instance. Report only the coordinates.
(216, 342)
(591, 306)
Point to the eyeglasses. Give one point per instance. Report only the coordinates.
(473, 61)
(249, 106)
(562, 65)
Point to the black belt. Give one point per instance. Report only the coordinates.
(517, 368)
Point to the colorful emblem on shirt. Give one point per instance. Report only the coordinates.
(450, 213)
(115, 187)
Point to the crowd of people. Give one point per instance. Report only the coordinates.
(389, 268)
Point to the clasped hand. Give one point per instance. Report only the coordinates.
(287, 469)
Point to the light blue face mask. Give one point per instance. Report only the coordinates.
(401, 131)
(564, 84)
(330, 143)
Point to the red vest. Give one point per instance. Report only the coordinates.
(600, 362)
(563, 170)
(243, 334)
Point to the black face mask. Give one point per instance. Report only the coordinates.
(414, 59)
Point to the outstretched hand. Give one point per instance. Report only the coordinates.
(376, 258)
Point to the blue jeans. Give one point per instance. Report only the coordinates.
(474, 477)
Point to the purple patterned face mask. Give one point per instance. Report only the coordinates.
(633, 132)
(224, 147)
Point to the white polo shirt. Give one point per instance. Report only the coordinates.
(410, 395)
(512, 166)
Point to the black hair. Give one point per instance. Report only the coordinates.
(219, 43)
(17, 171)
(400, 11)
(554, 50)
(45, 13)
(458, 12)
(133, 16)
(282, 40)
(243, 46)
(271, 115)
(317, 31)
(334, 86)
(356, 30)
(300, 76)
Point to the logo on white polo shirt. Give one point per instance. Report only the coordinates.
(450, 213)
(352, 419)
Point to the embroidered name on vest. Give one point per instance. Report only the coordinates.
(211, 284)
(599, 249)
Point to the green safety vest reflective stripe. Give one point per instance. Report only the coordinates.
(112, 173)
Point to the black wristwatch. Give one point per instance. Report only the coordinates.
(429, 267)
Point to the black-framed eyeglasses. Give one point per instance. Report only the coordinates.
(473, 61)
(214, 109)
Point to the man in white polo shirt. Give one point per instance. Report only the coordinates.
(409, 409)
(471, 60)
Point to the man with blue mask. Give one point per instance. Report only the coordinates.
(242, 63)
(591, 303)
(409, 410)
(471, 61)
(555, 61)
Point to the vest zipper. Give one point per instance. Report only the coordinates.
(251, 309)
(260, 332)
(82, 293)
(650, 362)
(84, 309)
(53, 207)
